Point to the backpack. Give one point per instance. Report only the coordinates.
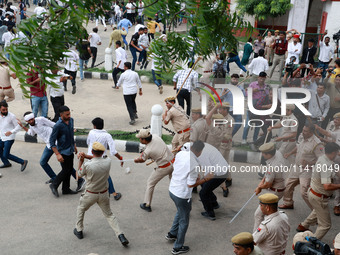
(220, 72)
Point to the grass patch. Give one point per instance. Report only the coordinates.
(123, 135)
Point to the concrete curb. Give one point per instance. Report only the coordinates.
(107, 76)
(239, 156)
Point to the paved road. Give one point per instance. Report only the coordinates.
(33, 221)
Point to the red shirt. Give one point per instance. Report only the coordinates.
(280, 44)
(37, 89)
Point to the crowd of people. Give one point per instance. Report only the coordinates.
(304, 145)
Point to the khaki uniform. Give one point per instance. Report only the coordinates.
(277, 180)
(320, 213)
(309, 150)
(6, 90)
(158, 151)
(96, 172)
(272, 234)
(226, 142)
(289, 145)
(215, 135)
(199, 130)
(181, 124)
(335, 131)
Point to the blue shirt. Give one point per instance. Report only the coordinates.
(63, 134)
(229, 97)
(124, 23)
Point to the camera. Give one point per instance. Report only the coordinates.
(290, 66)
(314, 247)
(336, 36)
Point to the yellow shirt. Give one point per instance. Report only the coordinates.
(152, 26)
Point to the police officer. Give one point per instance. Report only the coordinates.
(289, 131)
(158, 151)
(199, 126)
(179, 121)
(332, 134)
(97, 172)
(320, 192)
(273, 180)
(308, 149)
(272, 234)
(244, 244)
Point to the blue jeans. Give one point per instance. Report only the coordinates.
(39, 102)
(323, 65)
(237, 61)
(111, 187)
(124, 40)
(45, 157)
(181, 221)
(237, 118)
(156, 78)
(134, 56)
(5, 155)
(246, 130)
(81, 67)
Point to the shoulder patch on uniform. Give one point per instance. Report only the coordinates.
(258, 230)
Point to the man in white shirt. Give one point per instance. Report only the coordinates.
(294, 49)
(143, 43)
(98, 134)
(95, 40)
(39, 11)
(121, 58)
(319, 104)
(258, 65)
(184, 178)
(6, 39)
(130, 7)
(71, 60)
(8, 128)
(129, 80)
(326, 54)
(42, 127)
(117, 12)
(140, 6)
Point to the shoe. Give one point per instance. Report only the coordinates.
(301, 228)
(283, 206)
(183, 249)
(85, 66)
(244, 142)
(78, 234)
(54, 190)
(74, 89)
(144, 207)
(205, 214)
(253, 147)
(5, 166)
(161, 89)
(225, 192)
(123, 240)
(118, 196)
(337, 210)
(170, 237)
(132, 122)
(136, 116)
(194, 190)
(105, 29)
(69, 192)
(241, 75)
(49, 181)
(23, 166)
(65, 88)
(217, 206)
(228, 183)
(81, 184)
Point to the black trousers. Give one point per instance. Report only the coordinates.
(150, 35)
(56, 103)
(116, 71)
(73, 75)
(130, 101)
(94, 53)
(208, 198)
(65, 173)
(184, 94)
(131, 17)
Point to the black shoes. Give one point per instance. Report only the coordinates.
(81, 184)
(5, 166)
(54, 190)
(74, 90)
(78, 234)
(123, 240)
(146, 208)
(23, 166)
(69, 192)
(205, 214)
(136, 116)
(170, 237)
(132, 122)
(118, 196)
(225, 192)
(183, 249)
(228, 183)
